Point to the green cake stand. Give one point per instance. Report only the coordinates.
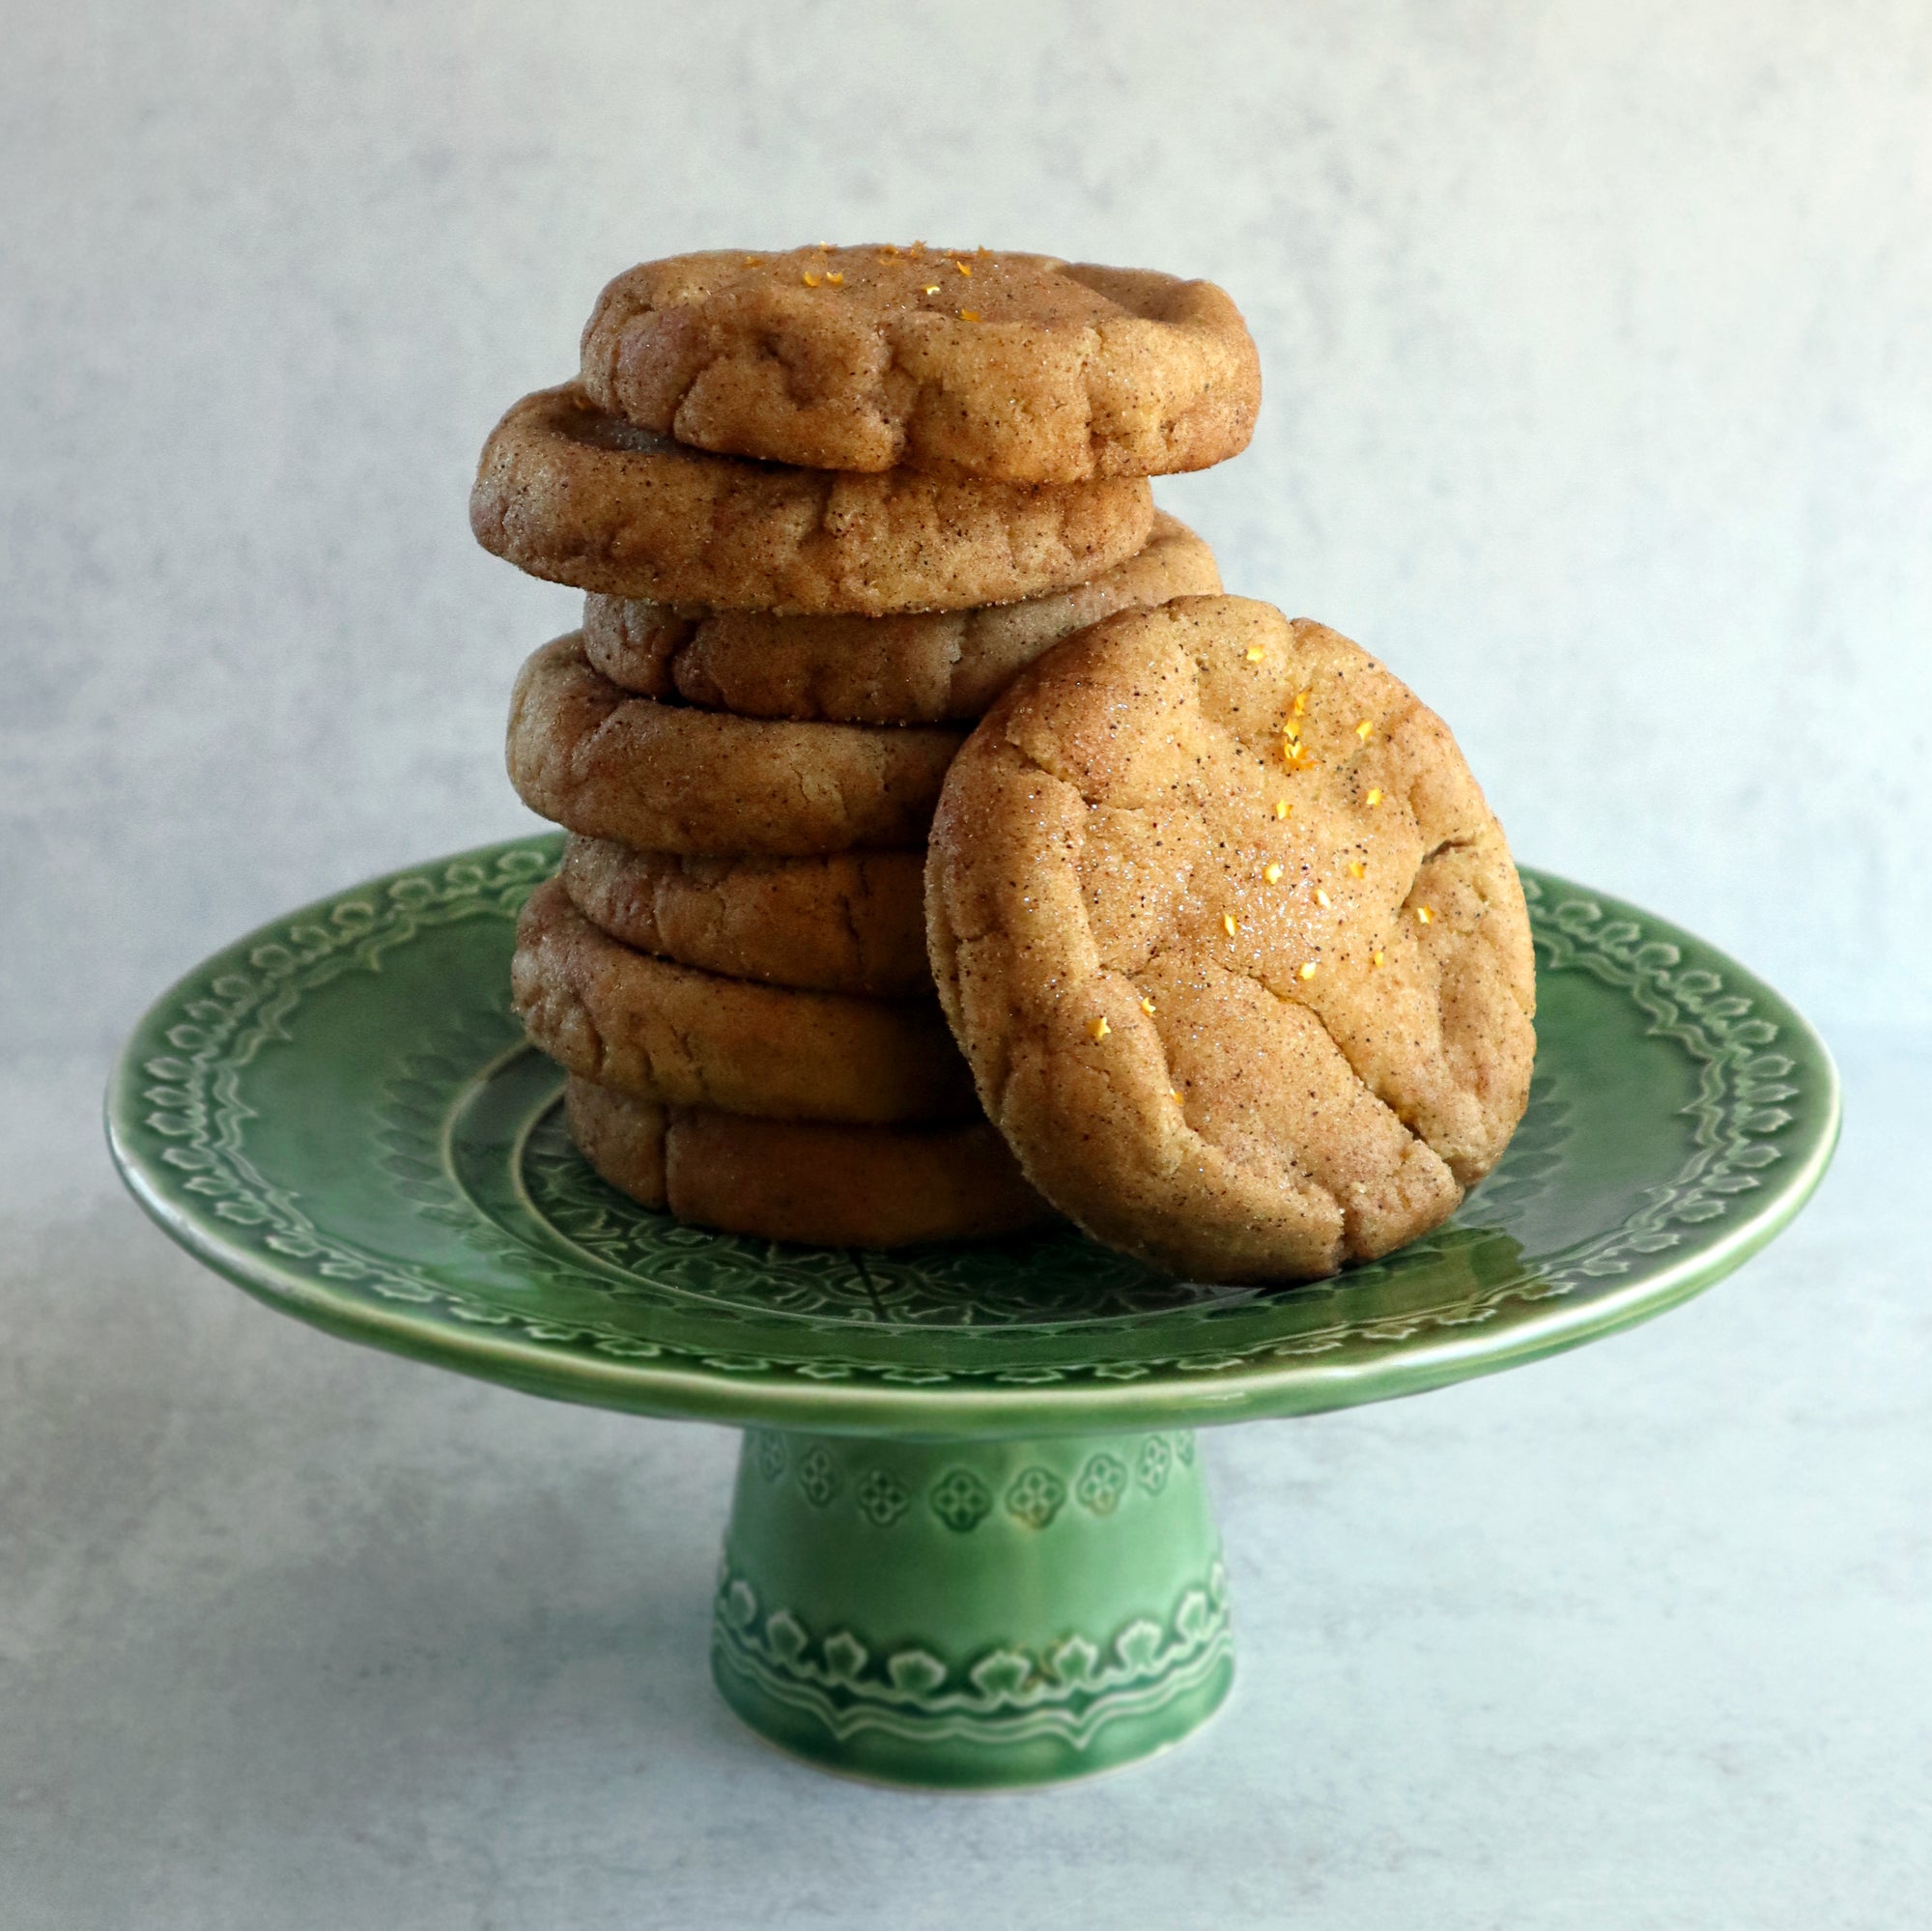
(971, 1542)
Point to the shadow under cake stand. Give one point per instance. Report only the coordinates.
(971, 1542)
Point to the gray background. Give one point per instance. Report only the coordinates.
(1597, 404)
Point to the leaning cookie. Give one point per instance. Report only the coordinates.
(670, 1033)
(570, 493)
(870, 358)
(1232, 943)
(782, 1180)
(934, 668)
(849, 922)
(599, 760)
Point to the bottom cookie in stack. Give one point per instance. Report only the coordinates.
(778, 1110)
(806, 1180)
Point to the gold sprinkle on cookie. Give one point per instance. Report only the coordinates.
(1098, 1029)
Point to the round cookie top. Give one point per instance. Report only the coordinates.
(1019, 367)
(1232, 943)
(566, 491)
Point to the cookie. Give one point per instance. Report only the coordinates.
(670, 1033)
(568, 493)
(1232, 943)
(850, 922)
(1013, 366)
(779, 1179)
(669, 778)
(934, 668)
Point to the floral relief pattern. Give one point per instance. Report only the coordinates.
(960, 1501)
(959, 1497)
(882, 1500)
(1035, 1496)
(1005, 1693)
(1102, 1482)
(817, 1477)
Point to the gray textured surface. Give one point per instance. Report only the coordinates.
(1595, 342)
(296, 1635)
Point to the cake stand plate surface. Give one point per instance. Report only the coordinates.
(970, 1543)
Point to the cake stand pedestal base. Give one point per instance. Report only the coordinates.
(972, 1613)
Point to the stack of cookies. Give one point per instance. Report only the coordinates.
(826, 504)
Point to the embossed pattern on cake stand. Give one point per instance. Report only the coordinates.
(971, 1542)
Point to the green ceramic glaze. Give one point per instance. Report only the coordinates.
(972, 1613)
(338, 1114)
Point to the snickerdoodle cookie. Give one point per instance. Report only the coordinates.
(871, 359)
(1232, 943)
(605, 762)
(672, 1033)
(566, 491)
(849, 922)
(784, 1179)
(933, 668)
